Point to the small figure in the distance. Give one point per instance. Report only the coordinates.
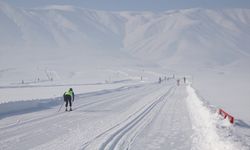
(159, 80)
(178, 82)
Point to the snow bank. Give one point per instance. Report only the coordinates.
(204, 124)
(28, 99)
(29, 92)
(11, 108)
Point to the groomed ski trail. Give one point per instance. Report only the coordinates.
(171, 127)
(122, 135)
(92, 114)
(143, 116)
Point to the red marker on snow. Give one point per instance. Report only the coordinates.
(226, 115)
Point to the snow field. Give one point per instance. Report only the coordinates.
(157, 116)
(72, 45)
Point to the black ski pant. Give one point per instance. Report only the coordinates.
(67, 99)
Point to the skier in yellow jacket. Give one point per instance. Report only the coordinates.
(69, 97)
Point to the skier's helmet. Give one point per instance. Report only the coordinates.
(70, 89)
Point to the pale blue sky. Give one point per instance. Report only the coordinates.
(138, 5)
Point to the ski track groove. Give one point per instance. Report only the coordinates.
(116, 94)
(118, 135)
(167, 129)
(114, 98)
(115, 137)
(167, 97)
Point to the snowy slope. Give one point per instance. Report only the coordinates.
(210, 37)
(59, 26)
(72, 44)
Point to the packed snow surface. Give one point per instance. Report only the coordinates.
(133, 116)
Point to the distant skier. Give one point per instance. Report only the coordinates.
(178, 82)
(159, 81)
(69, 98)
(184, 79)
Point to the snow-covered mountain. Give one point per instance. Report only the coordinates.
(58, 26)
(212, 37)
(207, 37)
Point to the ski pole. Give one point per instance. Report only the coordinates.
(60, 106)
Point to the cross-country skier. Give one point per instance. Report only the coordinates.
(178, 82)
(159, 81)
(69, 98)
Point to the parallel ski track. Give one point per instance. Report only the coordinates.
(81, 96)
(115, 137)
(113, 98)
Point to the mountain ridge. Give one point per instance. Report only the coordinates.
(169, 37)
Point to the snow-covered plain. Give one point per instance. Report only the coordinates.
(157, 116)
(113, 61)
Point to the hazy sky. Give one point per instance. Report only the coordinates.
(152, 5)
